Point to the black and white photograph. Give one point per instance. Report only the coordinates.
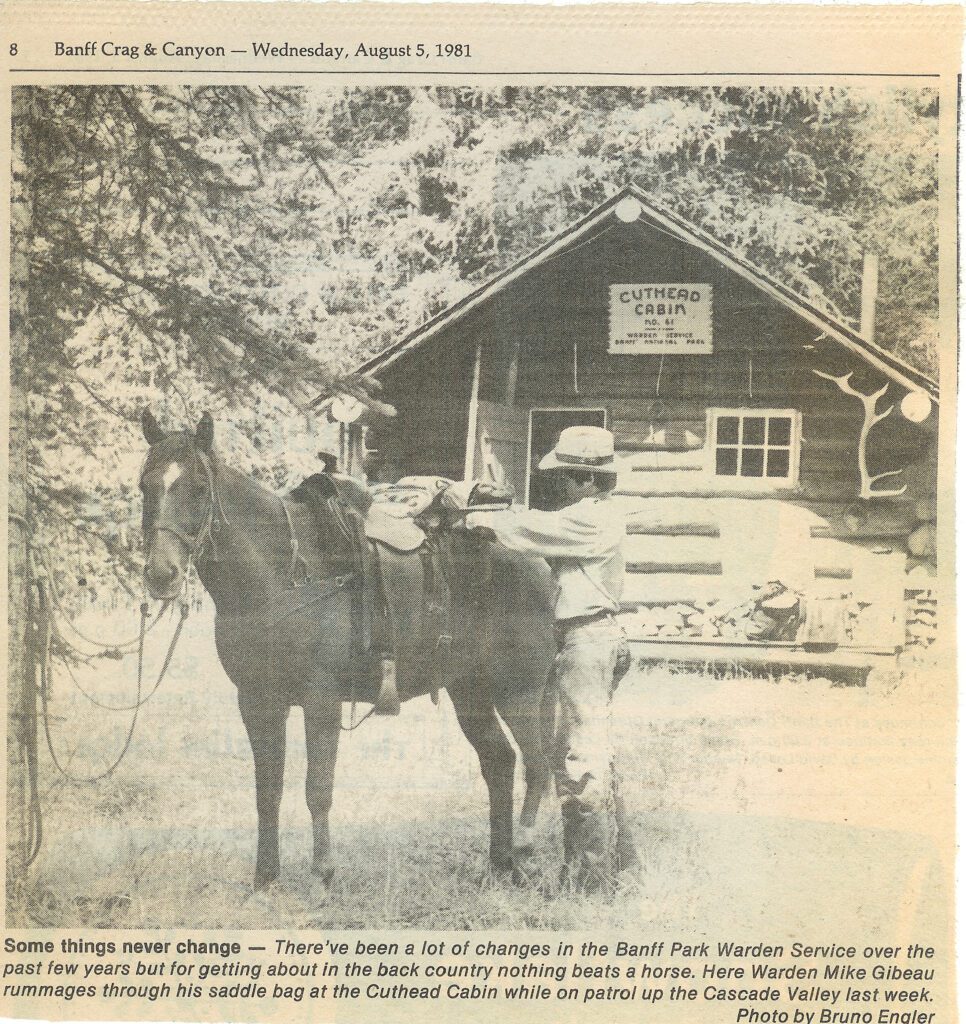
(480, 506)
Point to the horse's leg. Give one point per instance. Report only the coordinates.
(266, 733)
(321, 746)
(627, 858)
(521, 710)
(477, 719)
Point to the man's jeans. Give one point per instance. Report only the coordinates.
(591, 660)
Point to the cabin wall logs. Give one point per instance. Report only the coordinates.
(545, 345)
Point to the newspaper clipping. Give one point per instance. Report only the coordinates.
(480, 512)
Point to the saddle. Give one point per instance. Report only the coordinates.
(399, 550)
(400, 512)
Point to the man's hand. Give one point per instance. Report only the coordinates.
(467, 495)
(458, 495)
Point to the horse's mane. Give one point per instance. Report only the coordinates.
(353, 492)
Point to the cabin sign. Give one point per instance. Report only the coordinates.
(657, 319)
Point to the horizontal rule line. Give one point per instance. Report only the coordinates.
(486, 74)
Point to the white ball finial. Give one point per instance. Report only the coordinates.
(628, 210)
(916, 406)
(346, 409)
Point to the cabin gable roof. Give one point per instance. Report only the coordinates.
(660, 219)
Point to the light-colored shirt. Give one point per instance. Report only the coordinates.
(583, 545)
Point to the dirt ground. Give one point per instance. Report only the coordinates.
(765, 810)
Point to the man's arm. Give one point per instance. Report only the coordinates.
(545, 534)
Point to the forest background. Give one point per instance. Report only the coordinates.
(242, 249)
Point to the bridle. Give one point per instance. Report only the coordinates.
(213, 522)
(211, 525)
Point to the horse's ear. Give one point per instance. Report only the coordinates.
(152, 431)
(205, 433)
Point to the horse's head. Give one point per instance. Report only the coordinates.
(180, 503)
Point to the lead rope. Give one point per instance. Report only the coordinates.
(184, 608)
(47, 631)
(58, 604)
(45, 683)
(35, 819)
(41, 628)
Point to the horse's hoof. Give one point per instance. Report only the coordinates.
(323, 869)
(525, 874)
(586, 880)
(319, 890)
(265, 880)
(263, 897)
(497, 872)
(628, 861)
(524, 843)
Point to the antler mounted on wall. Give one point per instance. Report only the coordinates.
(869, 402)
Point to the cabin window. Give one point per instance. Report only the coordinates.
(755, 445)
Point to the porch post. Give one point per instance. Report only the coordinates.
(473, 416)
(512, 372)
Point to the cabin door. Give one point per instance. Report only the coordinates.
(501, 446)
(545, 427)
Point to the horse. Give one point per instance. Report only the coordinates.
(286, 632)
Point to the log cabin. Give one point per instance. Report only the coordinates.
(763, 444)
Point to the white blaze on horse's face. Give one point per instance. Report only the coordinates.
(167, 559)
(171, 474)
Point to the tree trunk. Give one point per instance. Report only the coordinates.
(19, 686)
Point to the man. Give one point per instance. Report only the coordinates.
(583, 543)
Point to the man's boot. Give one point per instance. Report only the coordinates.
(589, 846)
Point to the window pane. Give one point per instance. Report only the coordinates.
(778, 462)
(753, 461)
(726, 461)
(753, 431)
(779, 430)
(727, 430)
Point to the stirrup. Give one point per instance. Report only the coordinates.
(387, 700)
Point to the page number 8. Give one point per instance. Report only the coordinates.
(13, 49)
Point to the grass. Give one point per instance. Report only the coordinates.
(741, 789)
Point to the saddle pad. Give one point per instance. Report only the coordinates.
(400, 534)
(410, 496)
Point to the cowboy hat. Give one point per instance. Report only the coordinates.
(589, 448)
